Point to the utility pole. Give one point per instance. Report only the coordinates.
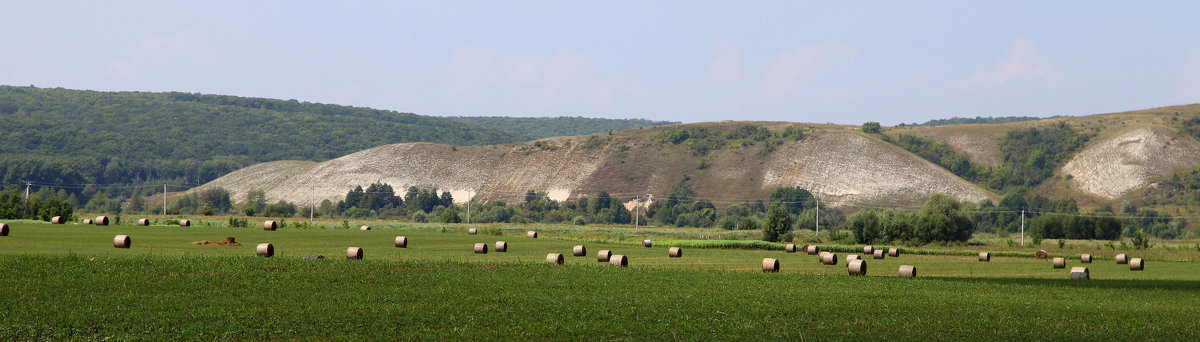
(1022, 227)
(818, 215)
(468, 206)
(164, 199)
(27, 185)
(312, 199)
(637, 210)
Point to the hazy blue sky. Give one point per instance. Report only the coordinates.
(830, 61)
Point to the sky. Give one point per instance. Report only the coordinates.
(691, 61)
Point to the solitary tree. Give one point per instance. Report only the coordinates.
(779, 223)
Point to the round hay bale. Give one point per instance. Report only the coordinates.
(101, 220)
(1041, 254)
(1085, 258)
(908, 271)
(481, 248)
(3, 229)
(401, 242)
(57, 220)
(868, 249)
(143, 222)
(893, 252)
(985, 256)
(790, 248)
(554, 258)
(354, 253)
(266, 250)
(122, 241)
(87, 221)
(879, 254)
(270, 225)
(812, 249)
(579, 251)
(185, 223)
(1059, 263)
(1080, 273)
(618, 260)
(603, 255)
(531, 234)
(829, 258)
(1121, 259)
(364, 228)
(770, 265)
(852, 257)
(647, 243)
(1136, 264)
(675, 252)
(472, 231)
(857, 267)
(501, 246)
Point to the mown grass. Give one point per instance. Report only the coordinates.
(204, 298)
(68, 282)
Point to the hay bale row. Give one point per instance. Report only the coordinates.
(1136, 264)
(122, 241)
(893, 252)
(101, 220)
(857, 267)
(1085, 258)
(354, 253)
(480, 248)
(270, 225)
(531, 234)
(143, 222)
(790, 248)
(868, 250)
(472, 231)
(185, 223)
(58, 220)
(266, 250)
(401, 242)
(675, 252)
(908, 271)
(501, 246)
(812, 249)
(1060, 263)
(1041, 254)
(770, 265)
(1121, 259)
(879, 254)
(554, 258)
(364, 228)
(579, 251)
(828, 258)
(985, 256)
(647, 243)
(603, 255)
(1080, 273)
(3, 229)
(618, 260)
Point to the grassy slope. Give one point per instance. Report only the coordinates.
(546, 127)
(68, 282)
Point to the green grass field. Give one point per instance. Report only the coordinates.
(68, 282)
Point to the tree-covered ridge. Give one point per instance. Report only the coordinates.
(981, 120)
(56, 135)
(538, 128)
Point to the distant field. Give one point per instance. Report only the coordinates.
(68, 282)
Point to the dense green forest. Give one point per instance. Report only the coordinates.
(54, 136)
(538, 128)
(981, 120)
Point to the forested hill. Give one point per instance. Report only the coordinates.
(538, 128)
(61, 136)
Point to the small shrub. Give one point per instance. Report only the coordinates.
(579, 221)
(1061, 243)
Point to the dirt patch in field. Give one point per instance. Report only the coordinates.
(229, 241)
